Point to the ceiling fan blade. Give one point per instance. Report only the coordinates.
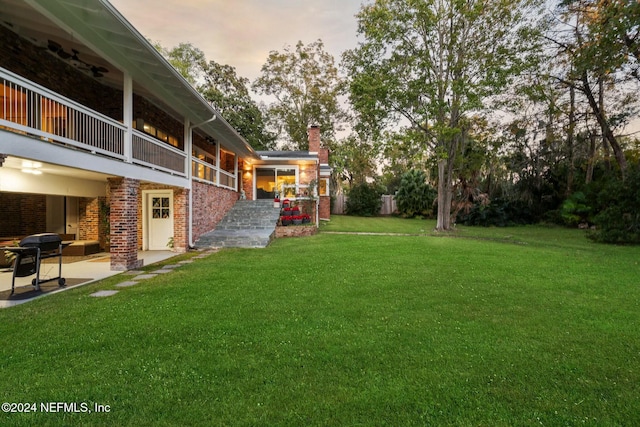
(53, 46)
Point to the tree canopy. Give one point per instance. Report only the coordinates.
(225, 90)
(305, 86)
(433, 64)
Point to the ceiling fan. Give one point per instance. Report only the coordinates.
(73, 59)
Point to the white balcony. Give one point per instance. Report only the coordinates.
(33, 110)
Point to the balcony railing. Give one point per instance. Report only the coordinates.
(30, 109)
(203, 171)
(150, 152)
(34, 110)
(206, 172)
(227, 179)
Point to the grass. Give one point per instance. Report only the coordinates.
(519, 326)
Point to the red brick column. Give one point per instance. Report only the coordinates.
(181, 220)
(324, 210)
(123, 193)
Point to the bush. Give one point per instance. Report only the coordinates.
(364, 200)
(498, 213)
(618, 221)
(415, 196)
(575, 210)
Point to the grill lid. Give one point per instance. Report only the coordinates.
(44, 241)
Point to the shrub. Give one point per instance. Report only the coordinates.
(364, 200)
(415, 196)
(618, 221)
(575, 210)
(498, 213)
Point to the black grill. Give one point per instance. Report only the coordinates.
(29, 255)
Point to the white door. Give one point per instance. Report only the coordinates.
(160, 220)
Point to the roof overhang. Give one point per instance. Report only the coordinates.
(104, 37)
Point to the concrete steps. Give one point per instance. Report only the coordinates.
(249, 224)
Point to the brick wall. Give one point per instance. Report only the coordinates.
(295, 231)
(89, 219)
(22, 214)
(210, 205)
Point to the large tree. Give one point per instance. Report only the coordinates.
(229, 93)
(305, 86)
(598, 43)
(221, 86)
(187, 59)
(431, 63)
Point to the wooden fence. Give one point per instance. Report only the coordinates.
(388, 205)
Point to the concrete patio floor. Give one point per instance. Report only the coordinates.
(94, 268)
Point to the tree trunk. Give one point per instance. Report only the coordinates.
(445, 192)
(570, 139)
(591, 160)
(606, 130)
(444, 196)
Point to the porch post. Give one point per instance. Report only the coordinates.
(217, 163)
(123, 195)
(127, 113)
(235, 172)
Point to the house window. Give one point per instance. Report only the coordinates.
(160, 134)
(323, 187)
(272, 180)
(227, 161)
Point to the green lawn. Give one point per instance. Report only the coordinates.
(495, 327)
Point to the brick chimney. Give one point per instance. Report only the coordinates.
(314, 139)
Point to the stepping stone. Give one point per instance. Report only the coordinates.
(172, 266)
(133, 272)
(163, 271)
(126, 284)
(145, 276)
(187, 261)
(103, 293)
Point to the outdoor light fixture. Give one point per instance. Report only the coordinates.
(31, 167)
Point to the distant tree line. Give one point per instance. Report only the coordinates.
(509, 112)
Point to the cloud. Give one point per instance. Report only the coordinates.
(242, 33)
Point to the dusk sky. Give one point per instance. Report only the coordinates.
(242, 33)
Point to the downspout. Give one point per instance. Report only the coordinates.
(190, 172)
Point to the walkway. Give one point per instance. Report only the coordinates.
(76, 273)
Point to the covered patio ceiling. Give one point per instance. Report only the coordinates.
(93, 36)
